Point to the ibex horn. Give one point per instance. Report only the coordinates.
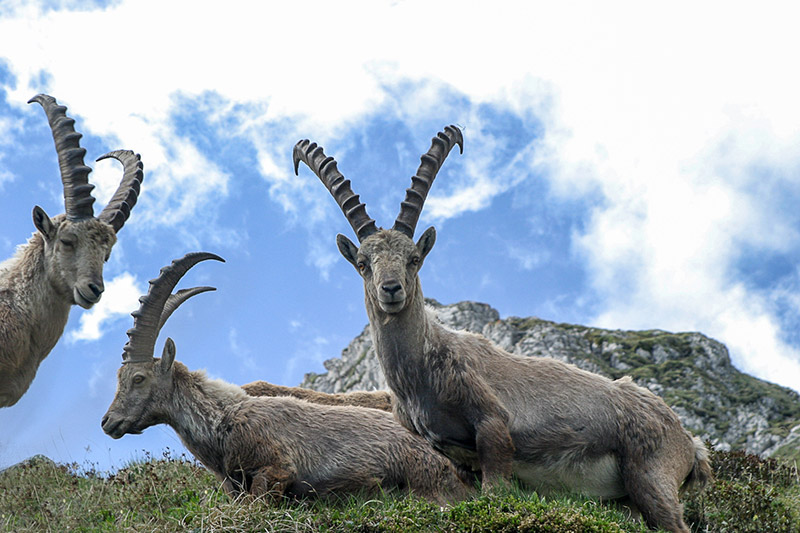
(78, 198)
(325, 169)
(151, 315)
(119, 207)
(411, 207)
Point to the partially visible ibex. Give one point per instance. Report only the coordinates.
(62, 263)
(265, 445)
(380, 399)
(551, 424)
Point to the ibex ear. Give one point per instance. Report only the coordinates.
(44, 224)
(425, 243)
(348, 249)
(168, 355)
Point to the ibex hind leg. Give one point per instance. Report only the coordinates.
(271, 480)
(656, 497)
(495, 453)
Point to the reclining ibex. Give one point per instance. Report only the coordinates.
(265, 445)
(380, 399)
(62, 263)
(550, 424)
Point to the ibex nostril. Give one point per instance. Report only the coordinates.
(103, 422)
(97, 289)
(392, 287)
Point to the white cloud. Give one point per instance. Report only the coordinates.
(9, 127)
(673, 137)
(661, 112)
(120, 298)
(527, 259)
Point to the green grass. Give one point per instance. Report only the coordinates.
(175, 494)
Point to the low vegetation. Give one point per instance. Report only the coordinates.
(171, 493)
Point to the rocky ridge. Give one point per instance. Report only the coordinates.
(692, 372)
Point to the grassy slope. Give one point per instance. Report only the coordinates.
(173, 494)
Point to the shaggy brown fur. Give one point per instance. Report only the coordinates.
(61, 265)
(281, 446)
(550, 424)
(274, 445)
(372, 399)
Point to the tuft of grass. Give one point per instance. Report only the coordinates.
(176, 494)
(748, 494)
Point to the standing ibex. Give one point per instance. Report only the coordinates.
(62, 263)
(550, 424)
(265, 445)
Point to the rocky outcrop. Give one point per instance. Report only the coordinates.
(692, 372)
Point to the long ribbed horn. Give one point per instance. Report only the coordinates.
(119, 207)
(78, 198)
(411, 207)
(175, 300)
(147, 319)
(325, 169)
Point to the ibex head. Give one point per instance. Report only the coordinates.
(144, 384)
(78, 243)
(388, 260)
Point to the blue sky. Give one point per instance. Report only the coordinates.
(625, 166)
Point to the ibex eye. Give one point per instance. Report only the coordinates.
(415, 260)
(67, 243)
(138, 379)
(362, 266)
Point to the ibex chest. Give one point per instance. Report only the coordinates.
(446, 426)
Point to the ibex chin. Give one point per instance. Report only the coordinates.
(280, 446)
(62, 263)
(550, 424)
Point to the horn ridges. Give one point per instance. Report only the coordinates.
(78, 199)
(327, 171)
(119, 207)
(147, 320)
(421, 182)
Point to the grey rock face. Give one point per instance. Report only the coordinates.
(35, 460)
(692, 372)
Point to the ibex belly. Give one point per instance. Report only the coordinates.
(598, 477)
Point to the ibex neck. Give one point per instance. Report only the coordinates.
(399, 338)
(25, 285)
(199, 405)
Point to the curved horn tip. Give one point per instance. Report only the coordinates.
(116, 154)
(200, 256)
(39, 98)
(215, 257)
(296, 161)
(199, 290)
(297, 154)
(459, 137)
